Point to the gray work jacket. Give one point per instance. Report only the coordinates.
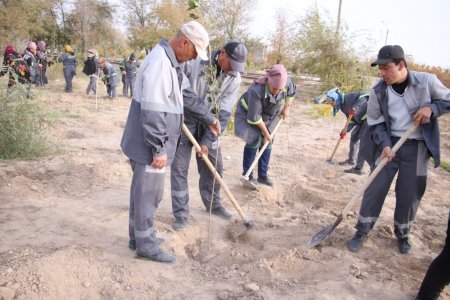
(423, 90)
(154, 121)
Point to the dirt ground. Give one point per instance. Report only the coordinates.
(64, 220)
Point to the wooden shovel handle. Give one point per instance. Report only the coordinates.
(261, 151)
(350, 116)
(377, 170)
(215, 173)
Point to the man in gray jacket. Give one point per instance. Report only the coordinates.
(400, 100)
(153, 129)
(216, 83)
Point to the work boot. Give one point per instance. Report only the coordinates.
(160, 256)
(404, 245)
(356, 243)
(346, 162)
(132, 244)
(179, 224)
(353, 171)
(221, 212)
(265, 180)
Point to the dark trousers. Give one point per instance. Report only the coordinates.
(410, 163)
(438, 274)
(250, 151)
(357, 145)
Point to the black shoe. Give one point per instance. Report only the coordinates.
(356, 243)
(346, 162)
(265, 180)
(132, 244)
(161, 257)
(221, 212)
(179, 224)
(353, 171)
(404, 245)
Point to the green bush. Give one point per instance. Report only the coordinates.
(24, 124)
(445, 165)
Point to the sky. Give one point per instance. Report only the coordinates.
(416, 25)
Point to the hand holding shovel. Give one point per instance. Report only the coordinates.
(326, 232)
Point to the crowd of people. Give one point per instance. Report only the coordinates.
(179, 82)
(30, 67)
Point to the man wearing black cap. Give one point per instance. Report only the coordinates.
(400, 100)
(216, 83)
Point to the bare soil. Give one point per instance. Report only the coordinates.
(64, 220)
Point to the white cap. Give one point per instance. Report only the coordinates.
(197, 34)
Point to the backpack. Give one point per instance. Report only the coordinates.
(90, 66)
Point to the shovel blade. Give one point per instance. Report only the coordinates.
(324, 233)
(248, 184)
(321, 236)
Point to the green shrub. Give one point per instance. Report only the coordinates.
(24, 124)
(445, 165)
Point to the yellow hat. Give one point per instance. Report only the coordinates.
(68, 48)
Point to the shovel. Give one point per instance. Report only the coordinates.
(326, 232)
(247, 222)
(245, 178)
(343, 132)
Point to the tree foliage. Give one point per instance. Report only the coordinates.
(319, 50)
(151, 20)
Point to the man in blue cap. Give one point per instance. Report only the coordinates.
(354, 104)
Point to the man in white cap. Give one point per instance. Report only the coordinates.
(225, 65)
(153, 129)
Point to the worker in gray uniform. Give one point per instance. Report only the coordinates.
(111, 78)
(257, 114)
(399, 100)
(69, 62)
(355, 104)
(153, 129)
(129, 71)
(216, 82)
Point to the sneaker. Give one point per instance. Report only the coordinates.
(353, 171)
(404, 245)
(251, 183)
(132, 244)
(160, 256)
(179, 224)
(346, 162)
(356, 243)
(265, 180)
(221, 212)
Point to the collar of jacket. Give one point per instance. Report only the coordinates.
(170, 53)
(214, 56)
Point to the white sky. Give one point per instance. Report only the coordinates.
(416, 25)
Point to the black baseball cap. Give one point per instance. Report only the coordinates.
(237, 53)
(387, 54)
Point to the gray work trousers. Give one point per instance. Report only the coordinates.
(147, 188)
(411, 164)
(356, 145)
(92, 86)
(111, 91)
(69, 71)
(179, 181)
(128, 83)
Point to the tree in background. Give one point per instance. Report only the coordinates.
(280, 40)
(227, 19)
(320, 51)
(151, 20)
